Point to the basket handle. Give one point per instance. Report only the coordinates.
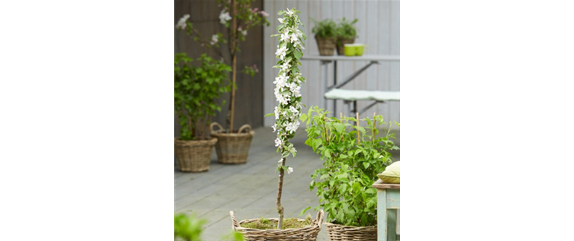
(234, 222)
(244, 127)
(215, 124)
(320, 216)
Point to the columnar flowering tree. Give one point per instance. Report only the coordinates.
(238, 17)
(287, 92)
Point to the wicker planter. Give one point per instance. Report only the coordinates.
(194, 156)
(326, 46)
(308, 233)
(341, 44)
(232, 148)
(350, 233)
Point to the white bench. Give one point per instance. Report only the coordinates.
(351, 96)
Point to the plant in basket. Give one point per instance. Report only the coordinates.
(352, 157)
(238, 18)
(346, 34)
(196, 88)
(326, 36)
(287, 112)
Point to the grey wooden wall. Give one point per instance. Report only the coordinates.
(249, 95)
(378, 27)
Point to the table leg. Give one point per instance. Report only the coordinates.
(382, 214)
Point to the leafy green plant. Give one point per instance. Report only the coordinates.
(346, 29)
(352, 157)
(326, 28)
(196, 89)
(189, 228)
(238, 18)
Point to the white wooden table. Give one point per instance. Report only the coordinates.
(325, 60)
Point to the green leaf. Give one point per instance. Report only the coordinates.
(304, 210)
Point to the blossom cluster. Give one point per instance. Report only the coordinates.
(288, 83)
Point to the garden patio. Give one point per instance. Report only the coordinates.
(250, 189)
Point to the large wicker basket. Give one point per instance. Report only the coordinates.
(326, 46)
(308, 233)
(232, 148)
(194, 156)
(350, 233)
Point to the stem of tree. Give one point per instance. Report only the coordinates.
(280, 209)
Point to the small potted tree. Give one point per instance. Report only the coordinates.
(325, 35)
(352, 157)
(238, 18)
(287, 112)
(346, 34)
(196, 89)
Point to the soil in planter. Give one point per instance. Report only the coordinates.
(264, 223)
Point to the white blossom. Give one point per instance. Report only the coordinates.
(214, 39)
(280, 20)
(285, 66)
(289, 170)
(289, 12)
(224, 17)
(281, 52)
(264, 14)
(278, 142)
(244, 32)
(181, 23)
(284, 37)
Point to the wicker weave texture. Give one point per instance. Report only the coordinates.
(326, 46)
(194, 156)
(232, 148)
(349, 233)
(341, 46)
(308, 233)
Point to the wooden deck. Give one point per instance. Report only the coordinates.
(248, 189)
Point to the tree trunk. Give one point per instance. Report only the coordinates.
(232, 52)
(279, 190)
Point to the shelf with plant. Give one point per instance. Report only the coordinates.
(196, 89)
(346, 34)
(326, 35)
(288, 95)
(352, 157)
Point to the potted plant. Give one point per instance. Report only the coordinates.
(287, 112)
(238, 17)
(196, 89)
(352, 157)
(325, 35)
(346, 34)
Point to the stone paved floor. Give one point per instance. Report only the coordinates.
(248, 189)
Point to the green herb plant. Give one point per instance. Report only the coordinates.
(326, 28)
(346, 30)
(352, 157)
(196, 89)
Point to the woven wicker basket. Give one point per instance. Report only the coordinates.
(350, 233)
(232, 148)
(194, 156)
(341, 45)
(308, 233)
(326, 46)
